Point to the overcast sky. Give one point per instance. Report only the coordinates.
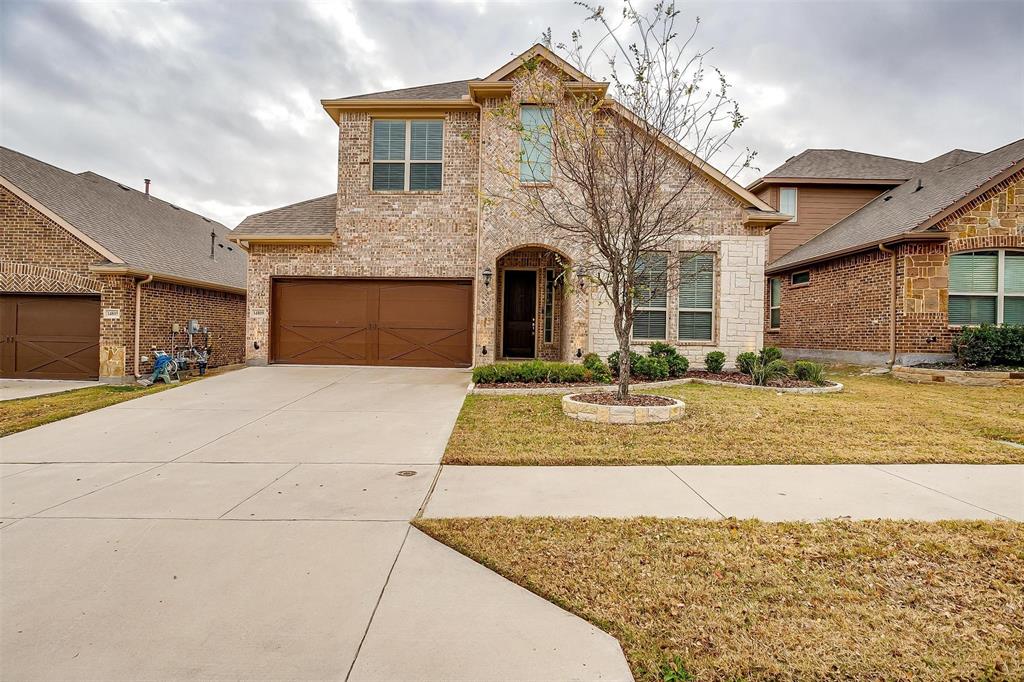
(218, 102)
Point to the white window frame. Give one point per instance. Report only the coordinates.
(711, 309)
(407, 161)
(663, 309)
(1000, 293)
(777, 306)
(793, 283)
(796, 202)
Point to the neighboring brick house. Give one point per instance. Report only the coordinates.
(893, 280)
(408, 265)
(80, 253)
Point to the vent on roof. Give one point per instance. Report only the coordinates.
(206, 219)
(126, 189)
(175, 207)
(887, 197)
(920, 185)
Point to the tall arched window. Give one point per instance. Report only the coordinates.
(986, 287)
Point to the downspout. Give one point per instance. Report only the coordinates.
(138, 314)
(892, 304)
(479, 218)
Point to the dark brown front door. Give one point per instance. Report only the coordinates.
(410, 323)
(519, 314)
(49, 337)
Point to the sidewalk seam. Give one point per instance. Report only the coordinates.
(940, 492)
(239, 504)
(694, 491)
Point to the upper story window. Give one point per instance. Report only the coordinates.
(649, 320)
(407, 155)
(696, 297)
(535, 143)
(774, 303)
(986, 287)
(787, 202)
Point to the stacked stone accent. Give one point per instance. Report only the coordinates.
(622, 414)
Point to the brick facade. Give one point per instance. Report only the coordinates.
(39, 256)
(461, 232)
(843, 313)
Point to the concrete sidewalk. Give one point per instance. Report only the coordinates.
(925, 492)
(14, 389)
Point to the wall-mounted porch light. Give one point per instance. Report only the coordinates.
(487, 276)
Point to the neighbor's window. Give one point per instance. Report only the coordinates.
(535, 143)
(986, 287)
(407, 155)
(651, 296)
(696, 296)
(787, 202)
(775, 303)
(549, 305)
(800, 277)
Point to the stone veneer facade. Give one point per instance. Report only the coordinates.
(456, 234)
(843, 313)
(39, 256)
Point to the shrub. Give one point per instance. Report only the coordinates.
(989, 345)
(763, 373)
(613, 361)
(650, 368)
(598, 371)
(769, 354)
(532, 372)
(805, 370)
(745, 361)
(677, 365)
(714, 361)
(662, 350)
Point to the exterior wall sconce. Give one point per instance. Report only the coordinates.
(579, 352)
(487, 276)
(484, 351)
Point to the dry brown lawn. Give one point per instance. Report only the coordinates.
(748, 600)
(26, 413)
(877, 419)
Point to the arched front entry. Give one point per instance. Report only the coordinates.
(529, 302)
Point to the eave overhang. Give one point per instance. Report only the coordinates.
(335, 107)
(244, 240)
(130, 271)
(930, 236)
(775, 181)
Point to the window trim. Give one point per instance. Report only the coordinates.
(714, 293)
(407, 161)
(800, 284)
(647, 308)
(774, 305)
(551, 148)
(796, 204)
(1000, 294)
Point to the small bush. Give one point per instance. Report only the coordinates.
(598, 371)
(613, 361)
(714, 361)
(531, 372)
(763, 374)
(650, 368)
(745, 362)
(677, 365)
(805, 370)
(989, 345)
(662, 350)
(770, 354)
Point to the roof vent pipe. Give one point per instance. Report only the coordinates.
(920, 185)
(147, 181)
(213, 239)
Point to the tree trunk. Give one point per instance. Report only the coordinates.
(625, 368)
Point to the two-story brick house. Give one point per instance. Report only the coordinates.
(408, 264)
(894, 279)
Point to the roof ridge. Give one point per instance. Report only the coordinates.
(297, 203)
(153, 197)
(45, 163)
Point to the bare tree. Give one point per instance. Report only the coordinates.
(618, 175)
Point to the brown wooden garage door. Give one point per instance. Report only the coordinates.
(49, 337)
(409, 323)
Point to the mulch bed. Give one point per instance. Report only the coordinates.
(633, 400)
(740, 378)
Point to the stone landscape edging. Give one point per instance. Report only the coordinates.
(962, 377)
(622, 414)
(836, 387)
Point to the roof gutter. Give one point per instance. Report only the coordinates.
(904, 237)
(122, 269)
(771, 181)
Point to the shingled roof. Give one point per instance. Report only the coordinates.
(842, 164)
(449, 90)
(143, 232)
(310, 217)
(910, 207)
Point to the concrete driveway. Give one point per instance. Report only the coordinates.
(254, 525)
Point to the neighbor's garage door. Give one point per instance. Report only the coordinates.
(49, 337)
(411, 323)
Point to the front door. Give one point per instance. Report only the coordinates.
(520, 314)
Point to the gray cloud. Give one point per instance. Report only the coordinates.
(219, 102)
